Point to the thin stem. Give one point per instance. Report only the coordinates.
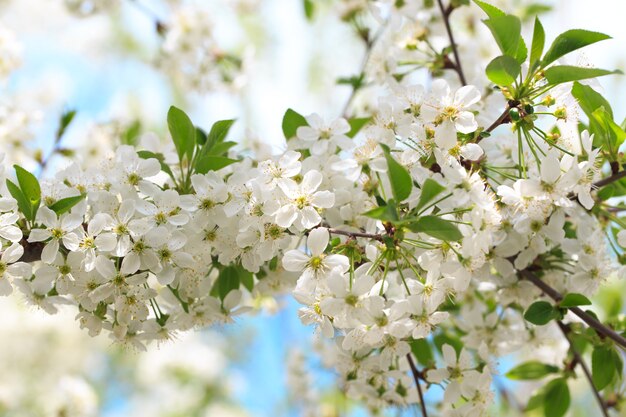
(579, 360)
(355, 234)
(584, 316)
(457, 61)
(500, 120)
(416, 377)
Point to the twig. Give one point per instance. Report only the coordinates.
(416, 377)
(579, 360)
(446, 20)
(609, 180)
(369, 47)
(355, 234)
(584, 316)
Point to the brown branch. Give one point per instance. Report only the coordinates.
(579, 360)
(355, 234)
(609, 180)
(583, 315)
(445, 12)
(416, 377)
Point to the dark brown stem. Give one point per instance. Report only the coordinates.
(584, 316)
(355, 234)
(445, 12)
(579, 360)
(609, 180)
(416, 378)
(500, 120)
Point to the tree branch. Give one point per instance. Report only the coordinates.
(457, 61)
(355, 234)
(416, 377)
(609, 180)
(579, 360)
(583, 315)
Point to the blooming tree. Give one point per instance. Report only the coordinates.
(426, 232)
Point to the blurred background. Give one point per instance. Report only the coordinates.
(120, 64)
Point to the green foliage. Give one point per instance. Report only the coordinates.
(27, 194)
(292, 120)
(386, 213)
(538, 43)
(430, 190)
(574, 300)
(503, 70)
(183, 132)
(507, 31)
(64, 122)
(531, 370)
(606, 365)
(212, 163)
(218, 133)
(560, 74)
(541, 312)
(159, 157)
(399, 177)
(569, 41)
(212, 154)
(557, 398)
(309, 9)
(422, 351)
(65, 204)
(436, 227)
(356, 124)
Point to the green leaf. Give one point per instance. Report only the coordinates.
(212, 163)
(570, 41)
(536, 400)
(218, 133)
(492, 11)
(227, 280)
(292, 120)
(64, 122)
(22, 202)
(531, 370)
(385, 213)
(399, 177)
(506, 31)
(221, 149)
(159, 157)
(539, 41)
(437, 228)
(422, 351)
(573, 300)
(309, 9)
(246, 278)
(65, 204)
(540, 313)
(602, 366)
(183, 132)
(608, 132)
(356, 124)
(131, 134)
(564, 73)
(30, 187)
(557, 398)
(589, 99)
(430, 190)
(503, 70)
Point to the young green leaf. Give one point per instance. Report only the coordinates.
(560, 74)
(557, 398)
(65, 204)
(531, 370)
(218, 133)
(292, 120)
(159, 157)
(30, 187)
(22, 202)
(589, 99)
(437, 228)
(492, 11)
(309, 9)
(399, 177)
(539, 40)
(66, 120)
(540, 313)
(422, 351)
(212, 163)
(356, 124)
(221, 149)
(183, 132)
(386, 213)
(503, 70)
(227, 280)
(430, 190)
(573, 300)
(506, 31)
(609, 132)
(602, 366)
(569, 41)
